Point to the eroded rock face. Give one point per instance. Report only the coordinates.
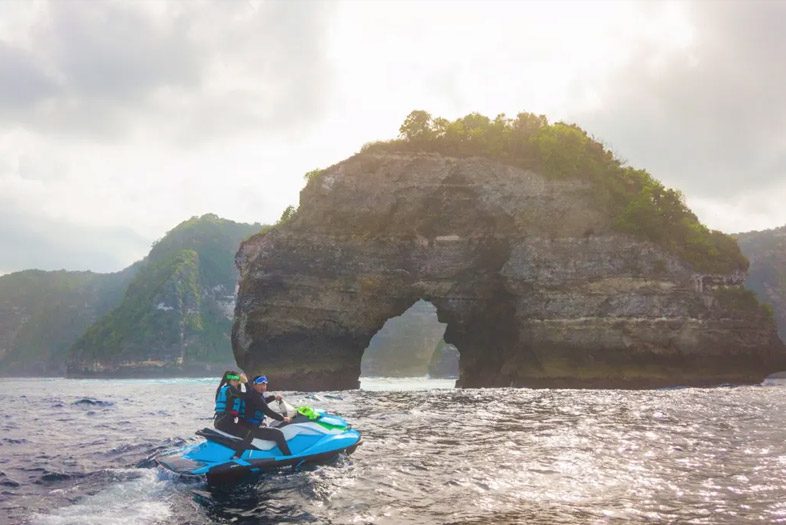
(534, 285)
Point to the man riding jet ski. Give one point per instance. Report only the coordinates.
(233, 451)
(241, 412)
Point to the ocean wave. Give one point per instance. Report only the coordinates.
(139, 501)
(430, 456)
(90, 401)
(6, 481)
(55, 477)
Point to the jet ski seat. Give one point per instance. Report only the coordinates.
(239, 445)
(226, 439)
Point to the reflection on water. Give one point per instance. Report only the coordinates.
(403, 384)
(78, 452)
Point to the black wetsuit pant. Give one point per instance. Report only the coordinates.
(271, 434)
(226, 423)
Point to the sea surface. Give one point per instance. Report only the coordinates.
(80, 452)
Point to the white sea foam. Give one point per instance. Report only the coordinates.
(139, 501)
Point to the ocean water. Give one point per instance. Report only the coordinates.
(80, 452)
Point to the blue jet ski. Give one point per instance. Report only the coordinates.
(312, 436)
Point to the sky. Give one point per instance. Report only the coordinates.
(119, 120)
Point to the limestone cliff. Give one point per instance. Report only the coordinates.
(176, 315)
(444, 362)
(766, 251)
(534, 281)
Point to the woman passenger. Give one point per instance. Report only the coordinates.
(229, 404)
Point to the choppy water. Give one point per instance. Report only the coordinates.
(77, 451)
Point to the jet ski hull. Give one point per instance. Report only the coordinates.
(223, 458)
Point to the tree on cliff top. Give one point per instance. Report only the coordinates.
(639, 204)
(417, 126)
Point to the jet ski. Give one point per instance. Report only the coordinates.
(313, 436)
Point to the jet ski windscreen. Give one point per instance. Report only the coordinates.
(283, 408)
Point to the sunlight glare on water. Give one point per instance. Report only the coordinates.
(403, 384)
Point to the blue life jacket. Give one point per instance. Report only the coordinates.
(224, 394)
(257, 418)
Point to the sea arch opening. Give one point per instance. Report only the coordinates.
(409, 352)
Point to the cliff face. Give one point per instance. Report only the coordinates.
(176, 316)
(444, 362)
(766, 251)
(43, 313)
(535, 286)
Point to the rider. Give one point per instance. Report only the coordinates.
(255, 410)
(229, 404)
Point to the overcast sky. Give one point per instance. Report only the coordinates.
(119, 120)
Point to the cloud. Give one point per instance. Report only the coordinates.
(124, 118)
(116, 52)
(183, 71)
(119, 119)
(24, 83)
(705, 116)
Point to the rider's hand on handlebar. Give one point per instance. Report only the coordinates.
(279, 398)
(287, 419)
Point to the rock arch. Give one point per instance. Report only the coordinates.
(410, 345)
(535, 287)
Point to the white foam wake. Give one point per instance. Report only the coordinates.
(139, 501)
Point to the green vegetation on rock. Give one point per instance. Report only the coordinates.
(43, 313)
(177, 312)
(640, 205)
(741, 299)
(287, 215)
(159, 313)
(313, 174)
(215, 240)
(767, 274)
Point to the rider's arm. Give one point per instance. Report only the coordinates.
(268, 411)
(255, 401)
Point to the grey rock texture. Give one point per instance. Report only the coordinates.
(535, 286)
